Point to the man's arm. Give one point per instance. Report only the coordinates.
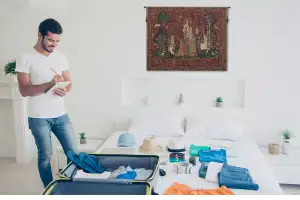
(31, 90)
(67, 77)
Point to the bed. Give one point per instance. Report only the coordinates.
(243, 152)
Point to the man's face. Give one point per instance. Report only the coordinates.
(50, 41)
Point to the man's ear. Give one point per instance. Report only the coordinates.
(39, 36)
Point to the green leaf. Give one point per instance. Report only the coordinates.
(219, 99)
(10, 68)
(82, 135)
(286, 134)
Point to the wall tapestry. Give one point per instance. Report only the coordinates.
(186, 39)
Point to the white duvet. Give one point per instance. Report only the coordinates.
(243, 153)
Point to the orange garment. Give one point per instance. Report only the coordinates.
(182, 189)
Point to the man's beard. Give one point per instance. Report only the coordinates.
(44, 46)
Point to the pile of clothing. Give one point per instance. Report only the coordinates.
(122, 172)
(176, 148)
(89, 168)
(176, 157)
(214, 168)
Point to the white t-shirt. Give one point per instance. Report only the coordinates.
(39, 67)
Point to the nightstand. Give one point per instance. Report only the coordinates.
(60, 159)
(286, 168)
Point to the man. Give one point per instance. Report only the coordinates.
(37, 71)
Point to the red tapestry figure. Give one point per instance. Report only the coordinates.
(186, 39)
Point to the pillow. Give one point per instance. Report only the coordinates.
(224, 130)
(216, 129)
(157, 125)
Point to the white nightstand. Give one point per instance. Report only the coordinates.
(286, 168)
(60, 159)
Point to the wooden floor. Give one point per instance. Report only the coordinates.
(23, 179)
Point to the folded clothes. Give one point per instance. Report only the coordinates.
(230, 153)
(132, 174)
(176, 150)
(195, 149)
(182, 189)
(212, 156)
(173, 160)
(179, 155)
(80, 174)
(236, 178)
(213, 169)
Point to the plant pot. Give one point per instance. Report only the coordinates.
(286, 146)
(219, 104)
(273, 149)
(82, 141)
(11, 78)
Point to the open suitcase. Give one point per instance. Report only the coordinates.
(68, 185)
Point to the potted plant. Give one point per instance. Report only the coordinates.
(287, 136)
(219, 102)
(82, 138)
(10, 69)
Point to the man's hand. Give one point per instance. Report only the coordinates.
(59, 92)
(67, 77)
(57, 79)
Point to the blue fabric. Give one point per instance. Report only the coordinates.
(176, 150)
(87, 163)
(236, 178)
(212, 156)
(41, 129)
(91, 161)
(128, 175)
(203, 170)
(126, 140)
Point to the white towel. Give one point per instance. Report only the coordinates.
(212, 172)
(80, 174)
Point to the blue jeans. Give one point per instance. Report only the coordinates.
(41, 129)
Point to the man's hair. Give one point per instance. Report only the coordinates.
(50, 25)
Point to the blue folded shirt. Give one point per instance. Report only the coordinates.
(236, 178)
(212, 156)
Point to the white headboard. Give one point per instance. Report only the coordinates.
(195, 92)
(192, 97)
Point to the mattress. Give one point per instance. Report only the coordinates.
(243, 153)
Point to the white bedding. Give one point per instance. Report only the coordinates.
(248, 156)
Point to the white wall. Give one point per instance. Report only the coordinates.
(107, 41)
(7, 138)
